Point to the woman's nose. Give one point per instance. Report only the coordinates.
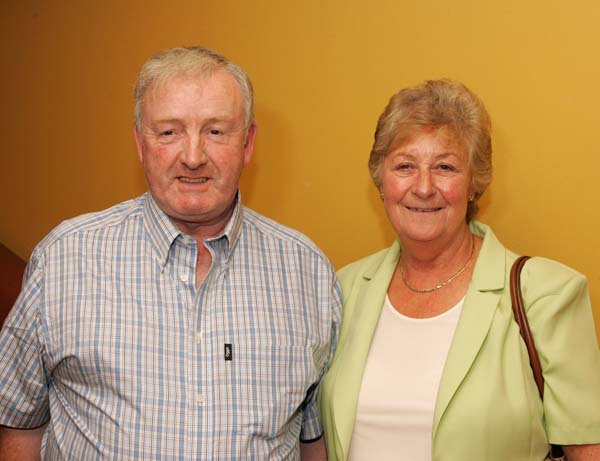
(424, 184)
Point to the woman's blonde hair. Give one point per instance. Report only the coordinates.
(437, 104)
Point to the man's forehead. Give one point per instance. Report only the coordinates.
(182, 97)
(199, 78)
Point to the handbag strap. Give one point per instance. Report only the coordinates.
(556, 451)
(521, 318)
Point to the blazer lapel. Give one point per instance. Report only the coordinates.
(476, 318)
(365, 305)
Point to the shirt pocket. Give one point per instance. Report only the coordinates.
(269, 386)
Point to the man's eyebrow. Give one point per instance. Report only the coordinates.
(163, 121)
(217, 119)
(221, 119)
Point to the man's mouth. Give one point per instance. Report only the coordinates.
(192, 180)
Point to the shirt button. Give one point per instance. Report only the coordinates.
(199, 336)
(199, 399)
(183, 277)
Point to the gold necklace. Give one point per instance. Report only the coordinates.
(445, 282)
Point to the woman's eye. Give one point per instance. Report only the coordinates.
(446, 167)
(403, 166)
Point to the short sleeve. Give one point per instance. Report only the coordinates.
(331, 309)
(311, 423)
(24, 396)
(562, 324)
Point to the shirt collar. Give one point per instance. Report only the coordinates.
(233, 229)
(162, 232)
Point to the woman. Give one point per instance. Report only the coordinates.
(430, 363)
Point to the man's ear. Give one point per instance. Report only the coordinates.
(138, 144)
(249, 144)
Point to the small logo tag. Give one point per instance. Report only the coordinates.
(228, 352)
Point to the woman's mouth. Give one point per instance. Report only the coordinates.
(423, 210)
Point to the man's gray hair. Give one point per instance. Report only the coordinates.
(193, 61)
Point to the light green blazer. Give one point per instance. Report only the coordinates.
(487, 406)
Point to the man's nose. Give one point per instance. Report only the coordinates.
(195, 152)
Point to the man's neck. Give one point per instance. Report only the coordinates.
(208, 229)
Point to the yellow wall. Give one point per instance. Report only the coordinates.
(323, 70)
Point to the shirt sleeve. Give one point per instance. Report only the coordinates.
(24, 396)
(562, 324)
(331, 308)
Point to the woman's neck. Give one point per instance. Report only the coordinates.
(436, 257)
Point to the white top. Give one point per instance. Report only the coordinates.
(399, 387)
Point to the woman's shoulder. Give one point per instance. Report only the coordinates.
(550, 277)
(546, 275)
(365, 265)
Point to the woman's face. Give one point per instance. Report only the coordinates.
(426, 184)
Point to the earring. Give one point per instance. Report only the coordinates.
(471, 196)
(381, 195)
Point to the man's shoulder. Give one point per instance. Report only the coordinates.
(273, 230)
(82, 225)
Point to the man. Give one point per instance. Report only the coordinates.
(180, 324)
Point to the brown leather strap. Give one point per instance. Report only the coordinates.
(556, 451)
(521, 318)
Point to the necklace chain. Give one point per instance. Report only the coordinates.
(441, 284)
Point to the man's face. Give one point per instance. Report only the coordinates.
(193, 145)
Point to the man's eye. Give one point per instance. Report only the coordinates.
(167, 133)
(216, 132)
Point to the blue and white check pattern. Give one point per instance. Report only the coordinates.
(112, 344)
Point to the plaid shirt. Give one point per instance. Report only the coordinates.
(111, 342)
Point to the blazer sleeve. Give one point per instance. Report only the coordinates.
(561, 320)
